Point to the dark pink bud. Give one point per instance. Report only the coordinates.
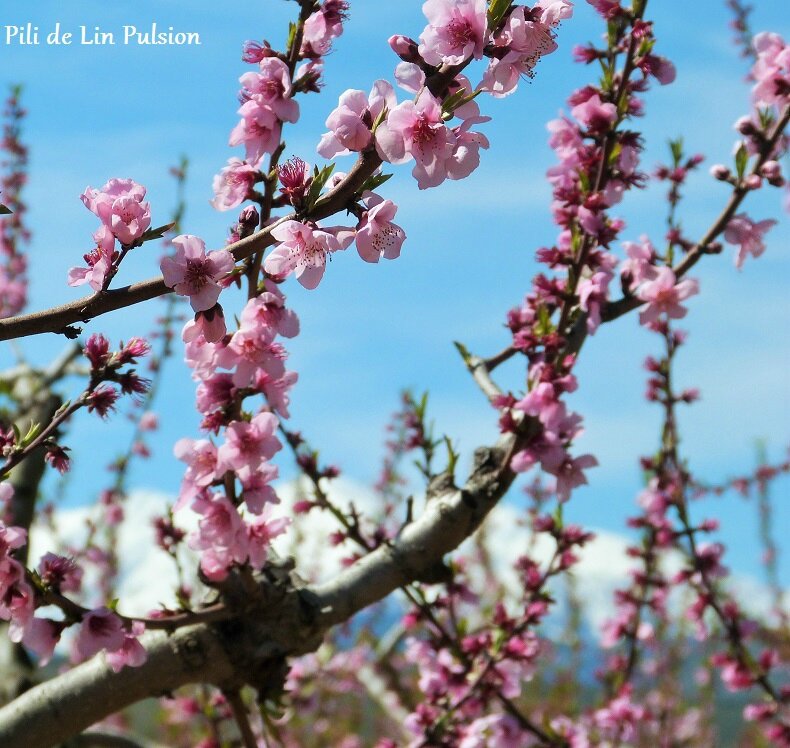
(720, 171)
(96, 350)
(405, 47)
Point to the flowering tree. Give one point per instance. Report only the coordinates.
(258, 653)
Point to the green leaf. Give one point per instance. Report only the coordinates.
(676, 147)
(291, 35)
(463, 350)
(157, 233)
(741, 160)
(452, 456)
(320, 178)
(5, 210)
(496, 12)
(372, 183)
(544, 326)
(32, 433)
(455, 100)
(558, 517)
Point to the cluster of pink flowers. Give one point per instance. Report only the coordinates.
(14, 232)
(267, 101)
(304, 248)
(770, 95)
(466, 670)
(99, 629)
(124, 217)
(457, 32)
(253, 363)
(582, 201)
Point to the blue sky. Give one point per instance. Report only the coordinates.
(368, 331)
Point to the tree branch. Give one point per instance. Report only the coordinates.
(259, 640)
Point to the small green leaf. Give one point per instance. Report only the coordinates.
(741, 160)
(676, 148)
(157, 233)
(320, 178)
(455, 100)
(32, 433)
(372, 183)
(291, 35)
(452, 456)
(496, 12)
(544, 325)
(463, 350)
(5, 211)
(558, 521)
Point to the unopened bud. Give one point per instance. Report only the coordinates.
(720, 171)
(405, 47)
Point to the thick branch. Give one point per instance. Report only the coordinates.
(69, 703)
(64, 706)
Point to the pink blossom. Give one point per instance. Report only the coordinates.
(295, 178)
(554, 11)
(455, 32)
(131, 653)
(247, 445)
(60, 573)
(659, 67)
(40, 637)
(17, 600)
(276, 390)
(119, 204)
(220, 535)
(99, 262)
(100, 629)
(351, 122)
(417, 130)
(271, 87)
(201, 458)
(258, 131)
(594, 114)
(233, 184)
(208, 325)
(215, 392)
(11, 537)
(410, 76)
(267, 310)
(749, 235)
(322, 27)
(541, 402)
(593, 293)
(302, 250)
(250, 351)
(569, 472)
(771, 70)
(664, 294)
(639, 265)
(376, 235)
(192, 272)
(525, 42)
(257, 493)
(261, 530)
(149, 421)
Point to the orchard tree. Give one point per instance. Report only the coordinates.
(254, 651)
